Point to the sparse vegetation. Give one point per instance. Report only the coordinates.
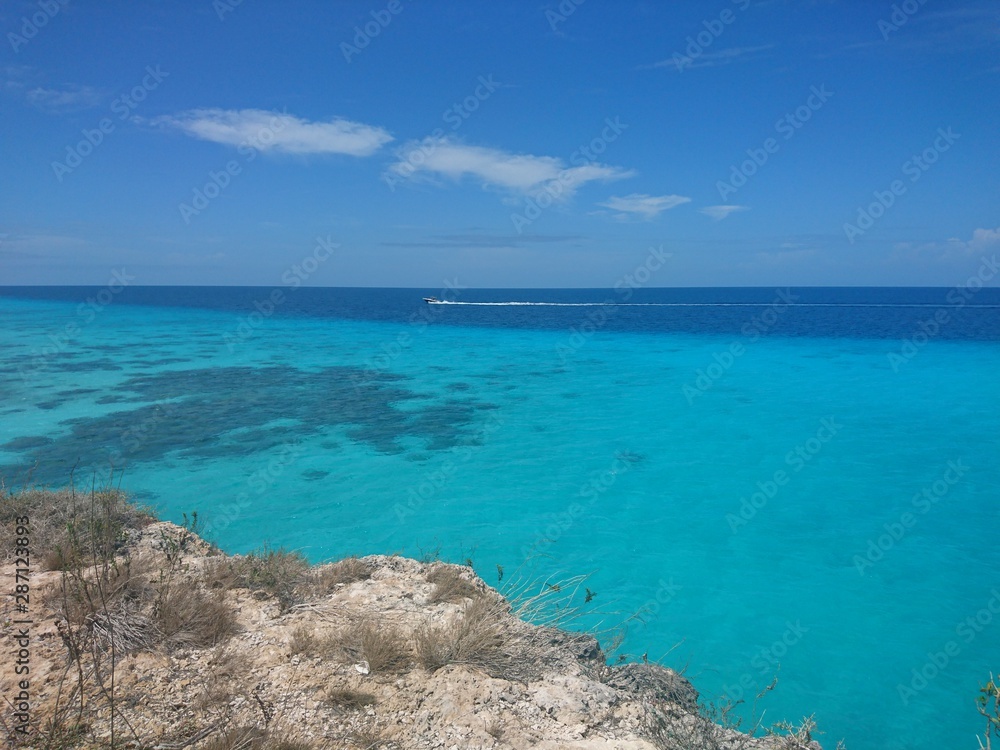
(188, 616)
(384, 647)
(451, 584)
(56, 515)
(323, 580)
(277, 572)
(349, 698)
(475, 637)
(988, 705)
(303, 641)
(253, 738)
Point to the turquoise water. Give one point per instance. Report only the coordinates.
(533, 449)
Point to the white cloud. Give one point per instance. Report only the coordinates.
(277, 131)
(982, 241)
(645, 206)
(721, 212)
(683, 62)
(67, 99)
(519, 173)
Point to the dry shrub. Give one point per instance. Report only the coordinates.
(93, 519)
(323, 580)
(348, 570)
(252, 738)
(476, 637)
(349, 698)
(53, 560)
(217, 573)
(188, 616)
(383, 646)
(303, 640)
(238, 738)
(450, 585)
(276, 572)
(371, 737)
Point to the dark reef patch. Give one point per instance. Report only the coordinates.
(90, 365)
(27, 442)
(233, 412)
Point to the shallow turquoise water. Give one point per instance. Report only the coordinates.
(517, 451)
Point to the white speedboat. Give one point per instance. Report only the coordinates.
(431, 300)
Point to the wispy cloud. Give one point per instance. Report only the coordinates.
(519, 173)
(640, 205)
(982, 241)
(489, 241)
(721, 212)
(279, 131)
(712, 59)
(70, 98)
(29, 83)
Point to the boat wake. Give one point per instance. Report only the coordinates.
(610, 303)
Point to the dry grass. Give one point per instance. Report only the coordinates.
(188, 616)
(450, 585)
(372, 737)
(252, 738)
(476, 637)
(304, 641)
(348, 570)
(385, 647)
(349, 698)
(325, 579)
(91, 518)
(278, 572)
(238, 738)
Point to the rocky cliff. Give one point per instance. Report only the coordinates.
(160, 641)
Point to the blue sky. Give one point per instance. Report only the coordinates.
(514, 144)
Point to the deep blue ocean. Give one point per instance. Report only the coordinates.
(796, 482)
